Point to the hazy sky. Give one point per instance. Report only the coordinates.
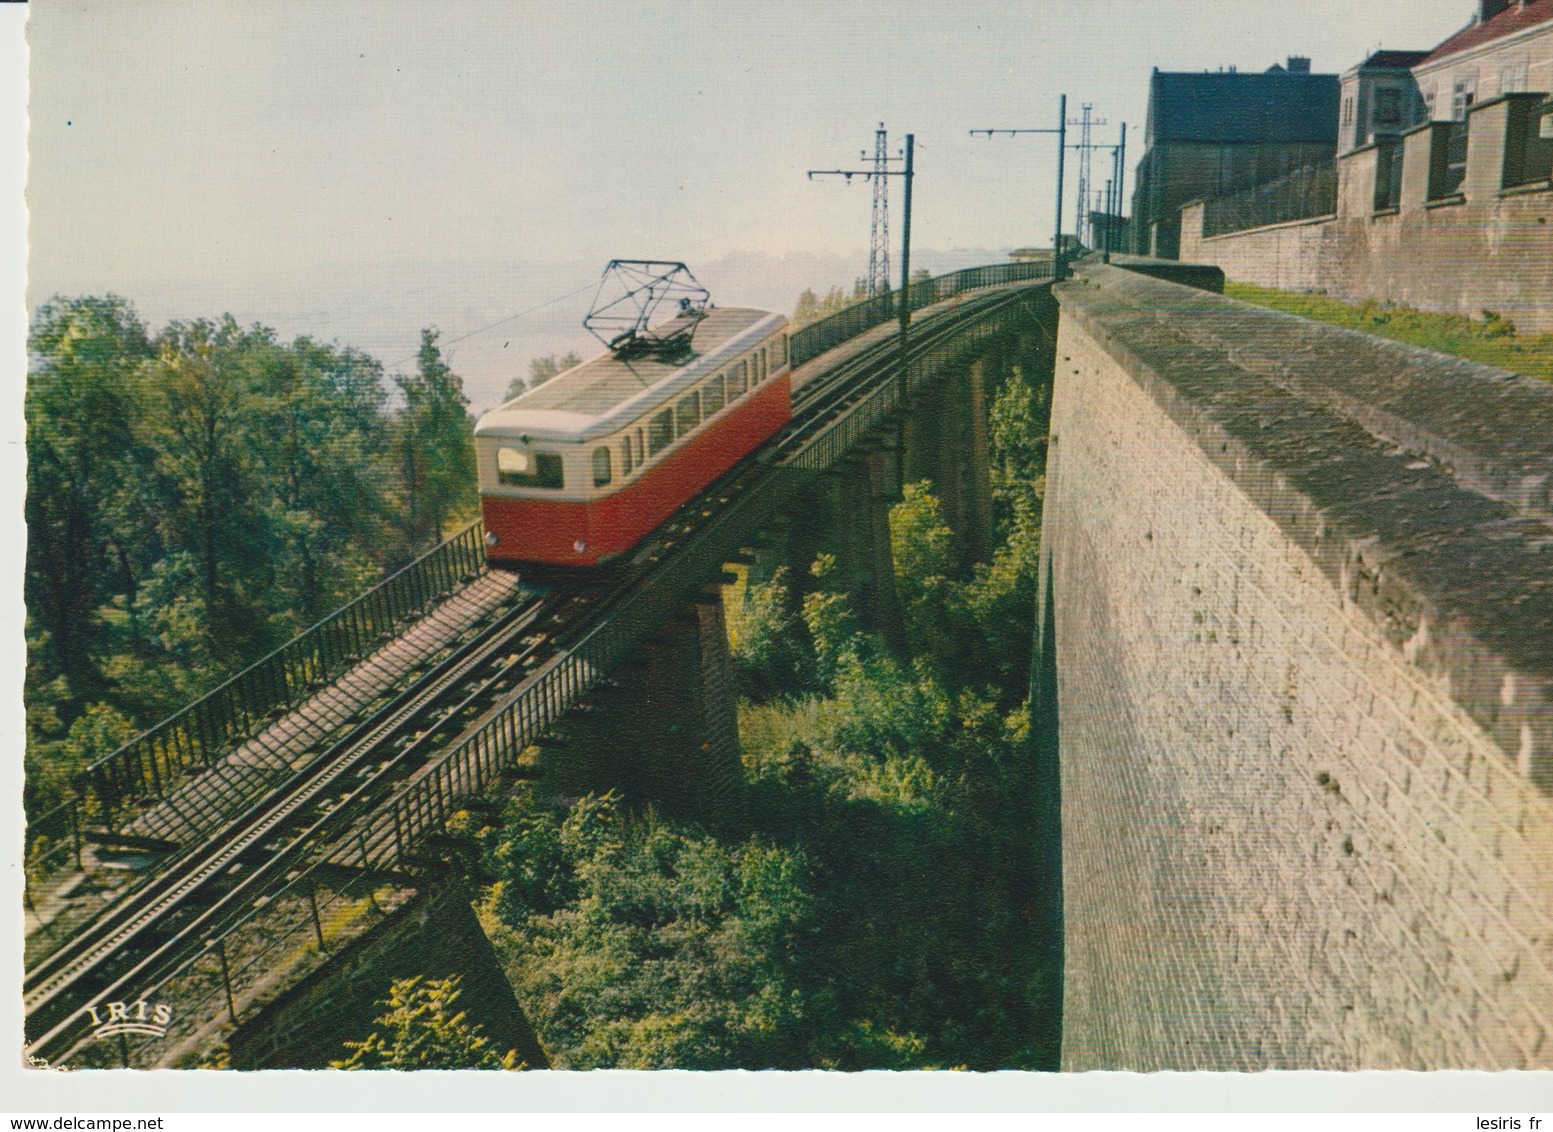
(355, 170)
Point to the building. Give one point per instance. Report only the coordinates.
(1212, 133)
(1507, 48)
(1379, 97)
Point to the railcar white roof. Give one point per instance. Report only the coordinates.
(606, 393)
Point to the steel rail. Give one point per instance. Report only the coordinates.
(200, 864)
(231, 908)
(853, 390)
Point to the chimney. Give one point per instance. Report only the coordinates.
(1300, 64)
(1488, 9)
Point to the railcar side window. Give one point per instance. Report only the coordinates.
(641, 451)
(687, 414)
(737, 382)
(762, 363)
(782, 351)
(626, 462)
(660, 432)
(525, 469)
(603, 469)
(712, 396)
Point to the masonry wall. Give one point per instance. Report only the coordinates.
(1484, 248)
(1304, 692)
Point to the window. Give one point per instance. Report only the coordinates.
(1512, 77)
(603, 466)
(760, 363)
(1429, 105)
(687, 414)
(1462, 94)
(1388, 107)
(737, 382)
(517, 468)
(627, 460)
(660, 431)
(641, 451)
(712, 396)
(1347, 109)
(781, 352)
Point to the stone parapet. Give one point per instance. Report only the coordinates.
(1471, 230)
(1300, 585)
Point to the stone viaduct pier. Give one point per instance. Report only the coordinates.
(661, 725)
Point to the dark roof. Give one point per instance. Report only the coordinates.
(1517, 17)
(1395, 59)
(1240, 107)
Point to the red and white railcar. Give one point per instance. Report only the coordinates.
(575, 472)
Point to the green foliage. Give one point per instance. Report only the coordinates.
(663, 948)
(938, 621)
(419, 1029)
(832, 624)
(52, 763)
(80, 458)
(908, 799)
(434, 449)
(197, 496)
(1491, 340)
(768, 642)
(882, 911)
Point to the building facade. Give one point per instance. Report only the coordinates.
(1212, 133)
(1506, 49)
(1379, 97)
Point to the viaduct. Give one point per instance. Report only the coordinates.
(1293, 693)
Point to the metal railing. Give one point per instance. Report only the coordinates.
(150, 764)
(472, 767)
(829, 332)
(388, 836)
(1307, 192)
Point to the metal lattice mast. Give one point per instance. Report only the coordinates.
(879, 235)
(1085, 148)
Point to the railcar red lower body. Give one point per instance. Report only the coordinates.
(550, 531)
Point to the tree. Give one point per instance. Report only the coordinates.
(208, 591)
(433, 449)
(665, 948)
(80, 453)
(318, 421)
(419, 1029)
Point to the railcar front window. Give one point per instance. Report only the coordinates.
(712, 396)
(687, 414)
(603, 467)
(517, 468)
(660, 432)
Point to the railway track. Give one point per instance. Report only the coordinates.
(213, 874)
(349, 806)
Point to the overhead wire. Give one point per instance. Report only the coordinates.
(680, 255)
